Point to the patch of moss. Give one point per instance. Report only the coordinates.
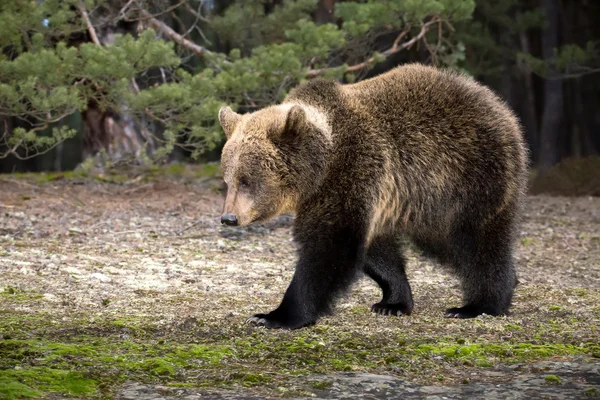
(180, 171)
(210, 170)
(485, 354)
(111, 177)
(265, 360)
(340, 365)
(253, 379)
(158, 366)
(15, 294)
(175, 169)
(11, 389)
(213, 354)
(580, 292)
(513, 327)
(36, 381)
(571, 177)
(45, 177)
(321, 385)
(526, 241)
(552, 379)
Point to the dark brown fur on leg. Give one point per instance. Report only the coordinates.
(385, 265)
(330, 253)
(483, 259)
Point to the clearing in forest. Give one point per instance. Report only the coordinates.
(134, 290)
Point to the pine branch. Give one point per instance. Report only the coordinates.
(396, 47)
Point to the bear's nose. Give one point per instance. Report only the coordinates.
(229, 219)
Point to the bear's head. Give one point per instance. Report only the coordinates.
(266, 161)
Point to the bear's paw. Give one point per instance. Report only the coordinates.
(271, 321)
(391, 309)
(470, 311)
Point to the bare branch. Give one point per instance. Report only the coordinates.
(176, 37)
(570, 75)
(148, 16)
(396, 47)
(196, 13)
(88, 23)
(124, 9)
(434, 51)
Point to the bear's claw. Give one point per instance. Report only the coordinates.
(389, 309)
(271, 322)
(469, 311)
(256, 321)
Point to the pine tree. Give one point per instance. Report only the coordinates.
(149, 76)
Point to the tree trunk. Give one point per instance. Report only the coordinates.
(324, 13)
(587, 147)
(115, 132)
(553, 91)
(528, 100)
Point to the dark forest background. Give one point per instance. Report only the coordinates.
(110, 81)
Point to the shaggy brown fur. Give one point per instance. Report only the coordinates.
(418, 152)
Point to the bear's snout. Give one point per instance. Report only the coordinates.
(229, 219)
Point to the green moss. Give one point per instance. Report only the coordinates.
(571, 177)
(513, 327)
(254, 379)
(340, 365)
(360, 310)
(45, 177)
(158, 366)
(212, 354)
(15, 294)
(552, 379)
(39, 380)
(526, 241)
(209, 171)
(484, 355)
(580, 292)
(321, 385)
(112, 178)
(175, 169)
(9, 291)
(555, 308)
(11, 389)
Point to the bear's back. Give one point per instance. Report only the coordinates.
(429, 99)
(446, 139)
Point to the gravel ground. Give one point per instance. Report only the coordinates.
(84, 262)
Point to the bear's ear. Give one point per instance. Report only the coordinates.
(228, 119)
(294, 123)
(295, 119)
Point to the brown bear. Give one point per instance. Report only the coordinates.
(417, 152)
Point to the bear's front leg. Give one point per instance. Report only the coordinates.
(329, 257)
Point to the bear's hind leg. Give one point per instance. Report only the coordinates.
(385, 265)
(485, 264)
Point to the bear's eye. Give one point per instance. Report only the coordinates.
(244, 183)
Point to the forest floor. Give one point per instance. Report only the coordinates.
(131, 289)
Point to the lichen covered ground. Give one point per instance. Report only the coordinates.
(112, 288)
